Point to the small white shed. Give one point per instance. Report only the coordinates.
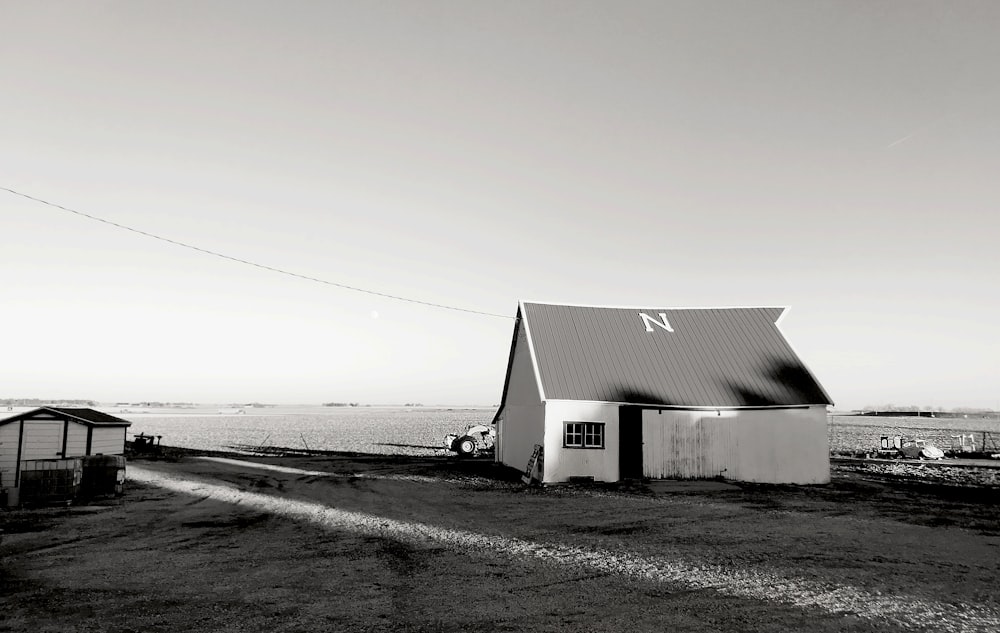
(56, 433)
(614, 393)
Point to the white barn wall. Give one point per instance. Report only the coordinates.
(522, 421)
(108, 440)
(758, 445)
(519, 429)
(788, 448)
(684, 444)
(562, 463)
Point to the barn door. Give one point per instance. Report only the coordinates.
(684, 445)
(669, 445)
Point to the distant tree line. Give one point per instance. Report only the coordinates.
(39, 402)
(911, 410)
(154, 404)
(340, 404)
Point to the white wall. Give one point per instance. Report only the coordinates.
(76, 440)
(8, 453)
(109, 440)
(562, 463)
(760, 445)
(42, 439)
(522, 420)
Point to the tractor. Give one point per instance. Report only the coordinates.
(476, 439)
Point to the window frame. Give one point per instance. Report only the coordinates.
(582, 431)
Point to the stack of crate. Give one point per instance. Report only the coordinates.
(50, 480)
(103, 475)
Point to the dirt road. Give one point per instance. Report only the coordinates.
(421, 544)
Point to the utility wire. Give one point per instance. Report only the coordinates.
(248, 262)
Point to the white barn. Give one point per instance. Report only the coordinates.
(56, 433)
(616, 393)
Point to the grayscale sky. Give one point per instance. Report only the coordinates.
(840, 158)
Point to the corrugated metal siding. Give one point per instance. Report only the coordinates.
(724, 357)
(762, 445)
(683, 445)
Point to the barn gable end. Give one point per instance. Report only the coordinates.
(661, 393)
(520, 419)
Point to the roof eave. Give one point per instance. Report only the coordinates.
(510, 365)
(822, 389)
(81, 420)
(695, 407)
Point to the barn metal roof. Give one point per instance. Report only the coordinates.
(90, 417)
(690, 357)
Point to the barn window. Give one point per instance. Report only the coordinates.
(584, 435)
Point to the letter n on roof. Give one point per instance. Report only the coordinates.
(649, 322)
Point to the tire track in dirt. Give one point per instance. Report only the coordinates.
(903, 611)
(317, 473)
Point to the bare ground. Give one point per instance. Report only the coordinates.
(376, 543)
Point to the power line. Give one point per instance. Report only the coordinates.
(248, 262)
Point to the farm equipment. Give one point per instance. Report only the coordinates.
(475, 439)
(143, 443)
(889, 446)
(898, 446)
(964, 443)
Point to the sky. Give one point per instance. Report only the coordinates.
(838, 158)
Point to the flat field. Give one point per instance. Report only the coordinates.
(377, 430)
(862, 433)
(350, 542)
(420, 430)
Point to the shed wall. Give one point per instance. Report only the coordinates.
(562, 463)
(765, 445)
(522, 421)
(109, 440)
(8, 453)
(42, 439)
(76, 440)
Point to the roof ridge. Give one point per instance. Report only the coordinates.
(652, 306)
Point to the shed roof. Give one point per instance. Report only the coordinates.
(89, 417)
(683, 357)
